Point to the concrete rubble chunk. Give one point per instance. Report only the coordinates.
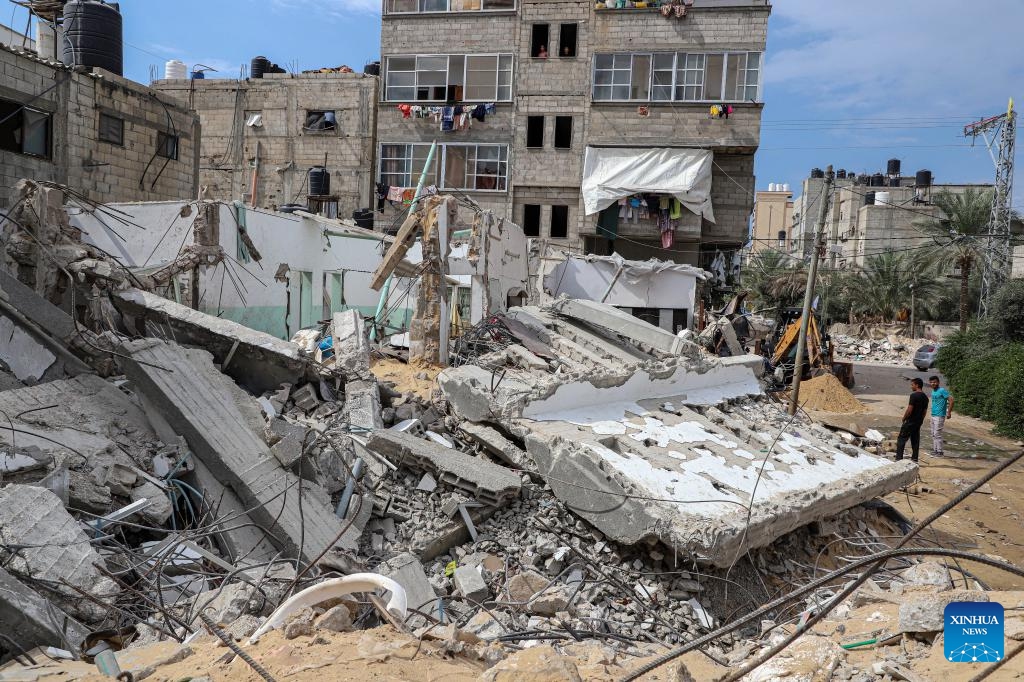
(523, 586)
(306, 398)
(928, 573)
(190, 393)
(470, 584)
(56, 550)
(924, 611)
(486, 482)
(538, 663)
(159, 509)
(612, 319)
(351, 348)
(362, 405)
(499, 446)
(550, 602)
(406, 570)
(335, 619)
(32, 621)
(257, 360)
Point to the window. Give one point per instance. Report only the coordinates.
(167, 146)
(448, 78)
(539, 41)
(320, 121)
(782, 239)
(531, 220)
(24, 130)
(111, 129)
(254, 119)
(679, 77)
(559, 222)
(418, 6)
(534, 132)
(567, 40)
(459, 166)
(563, 132)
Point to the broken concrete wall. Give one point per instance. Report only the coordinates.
(496, 258)
(31, 621)
(321, 273)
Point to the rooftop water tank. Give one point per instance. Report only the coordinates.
(881, 198)
(817, 173)
(319, 181)
(869, 198)
(785, 187)
(878, 180)
(892, 167)
(372, 69)
(923, 178)
(175, 69)
(258, 66)
(841, 174)
(93, 36)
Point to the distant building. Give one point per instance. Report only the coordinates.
(262, 135)
(773, 219)
(570, 85)
(108, 137)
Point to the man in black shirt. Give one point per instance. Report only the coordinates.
(913, 417)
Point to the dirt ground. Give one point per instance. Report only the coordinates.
(414, 378)
(991, 520)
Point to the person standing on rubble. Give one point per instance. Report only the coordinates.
(942, 409)
(913, 417)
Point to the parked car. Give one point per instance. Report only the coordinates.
(926, 355)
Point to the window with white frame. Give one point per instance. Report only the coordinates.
(677, 76)
(482, 167)
(448, 78)
(433, 6)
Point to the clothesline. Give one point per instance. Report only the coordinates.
(668, 211)
(450, 118)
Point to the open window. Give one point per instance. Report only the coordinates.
(567, 40)
(24, 130)
(539, 41)
(559, 222)
(320, 121)
(534, 132)
(531, 220)
(563, 132)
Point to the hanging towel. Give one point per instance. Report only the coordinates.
(395, 194)
(406, 110)
(479, 112)
(676, 210)
(448, 119)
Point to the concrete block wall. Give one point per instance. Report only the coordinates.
(732, 196)
(286, 150)
(546, 197)
(103, 171)
(736, 28)
(674, 124)
(479, 32)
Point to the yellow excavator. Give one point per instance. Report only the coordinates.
(819, 354)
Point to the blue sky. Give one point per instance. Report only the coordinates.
(846, 83)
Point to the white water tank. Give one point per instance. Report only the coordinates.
(785, 187)
(881, 198)
(175, 68)
(48, 37)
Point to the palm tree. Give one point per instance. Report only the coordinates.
(880, 288)
(774, 278)
(962, 234)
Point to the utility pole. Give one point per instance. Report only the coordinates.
(805, 316)
(912, 334)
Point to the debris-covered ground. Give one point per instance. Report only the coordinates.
(579, 495)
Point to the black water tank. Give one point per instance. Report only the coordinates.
(93, 36)
(817, 173)
(841, 174)
(258, 66)
(894, 181)
(877, 180)
(372, 69)
(292, 208)
(319, 181)
(923, 178)
(869, 198)
(892, 167)
(363, 217)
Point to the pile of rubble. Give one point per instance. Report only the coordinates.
(890, 349)
(171, 479)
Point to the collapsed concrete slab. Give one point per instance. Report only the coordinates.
(499, 446)
(623, 324)
(256, 360)
(362, 405)
(488, 483)
(351, 349)
(198, 403)
(638, 447)
(48, 545)
(31, 621)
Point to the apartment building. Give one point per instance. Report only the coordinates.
(556, 111)
(262, 135)
(773, 218)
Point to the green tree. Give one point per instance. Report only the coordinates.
(774, 279)
(882, 288)
(961, 234)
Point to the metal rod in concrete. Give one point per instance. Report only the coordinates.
(805, 315)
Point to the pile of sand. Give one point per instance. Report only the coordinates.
(828, 394)
(414, 377)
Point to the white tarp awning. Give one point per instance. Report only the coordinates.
(612, 173)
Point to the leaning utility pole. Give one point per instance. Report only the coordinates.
(805, 315)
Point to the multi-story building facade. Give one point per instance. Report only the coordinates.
(533, 87)
(108, 137)
(261, 136)
(773, 219)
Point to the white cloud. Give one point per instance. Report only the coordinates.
(911, 57)
(337, 9)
